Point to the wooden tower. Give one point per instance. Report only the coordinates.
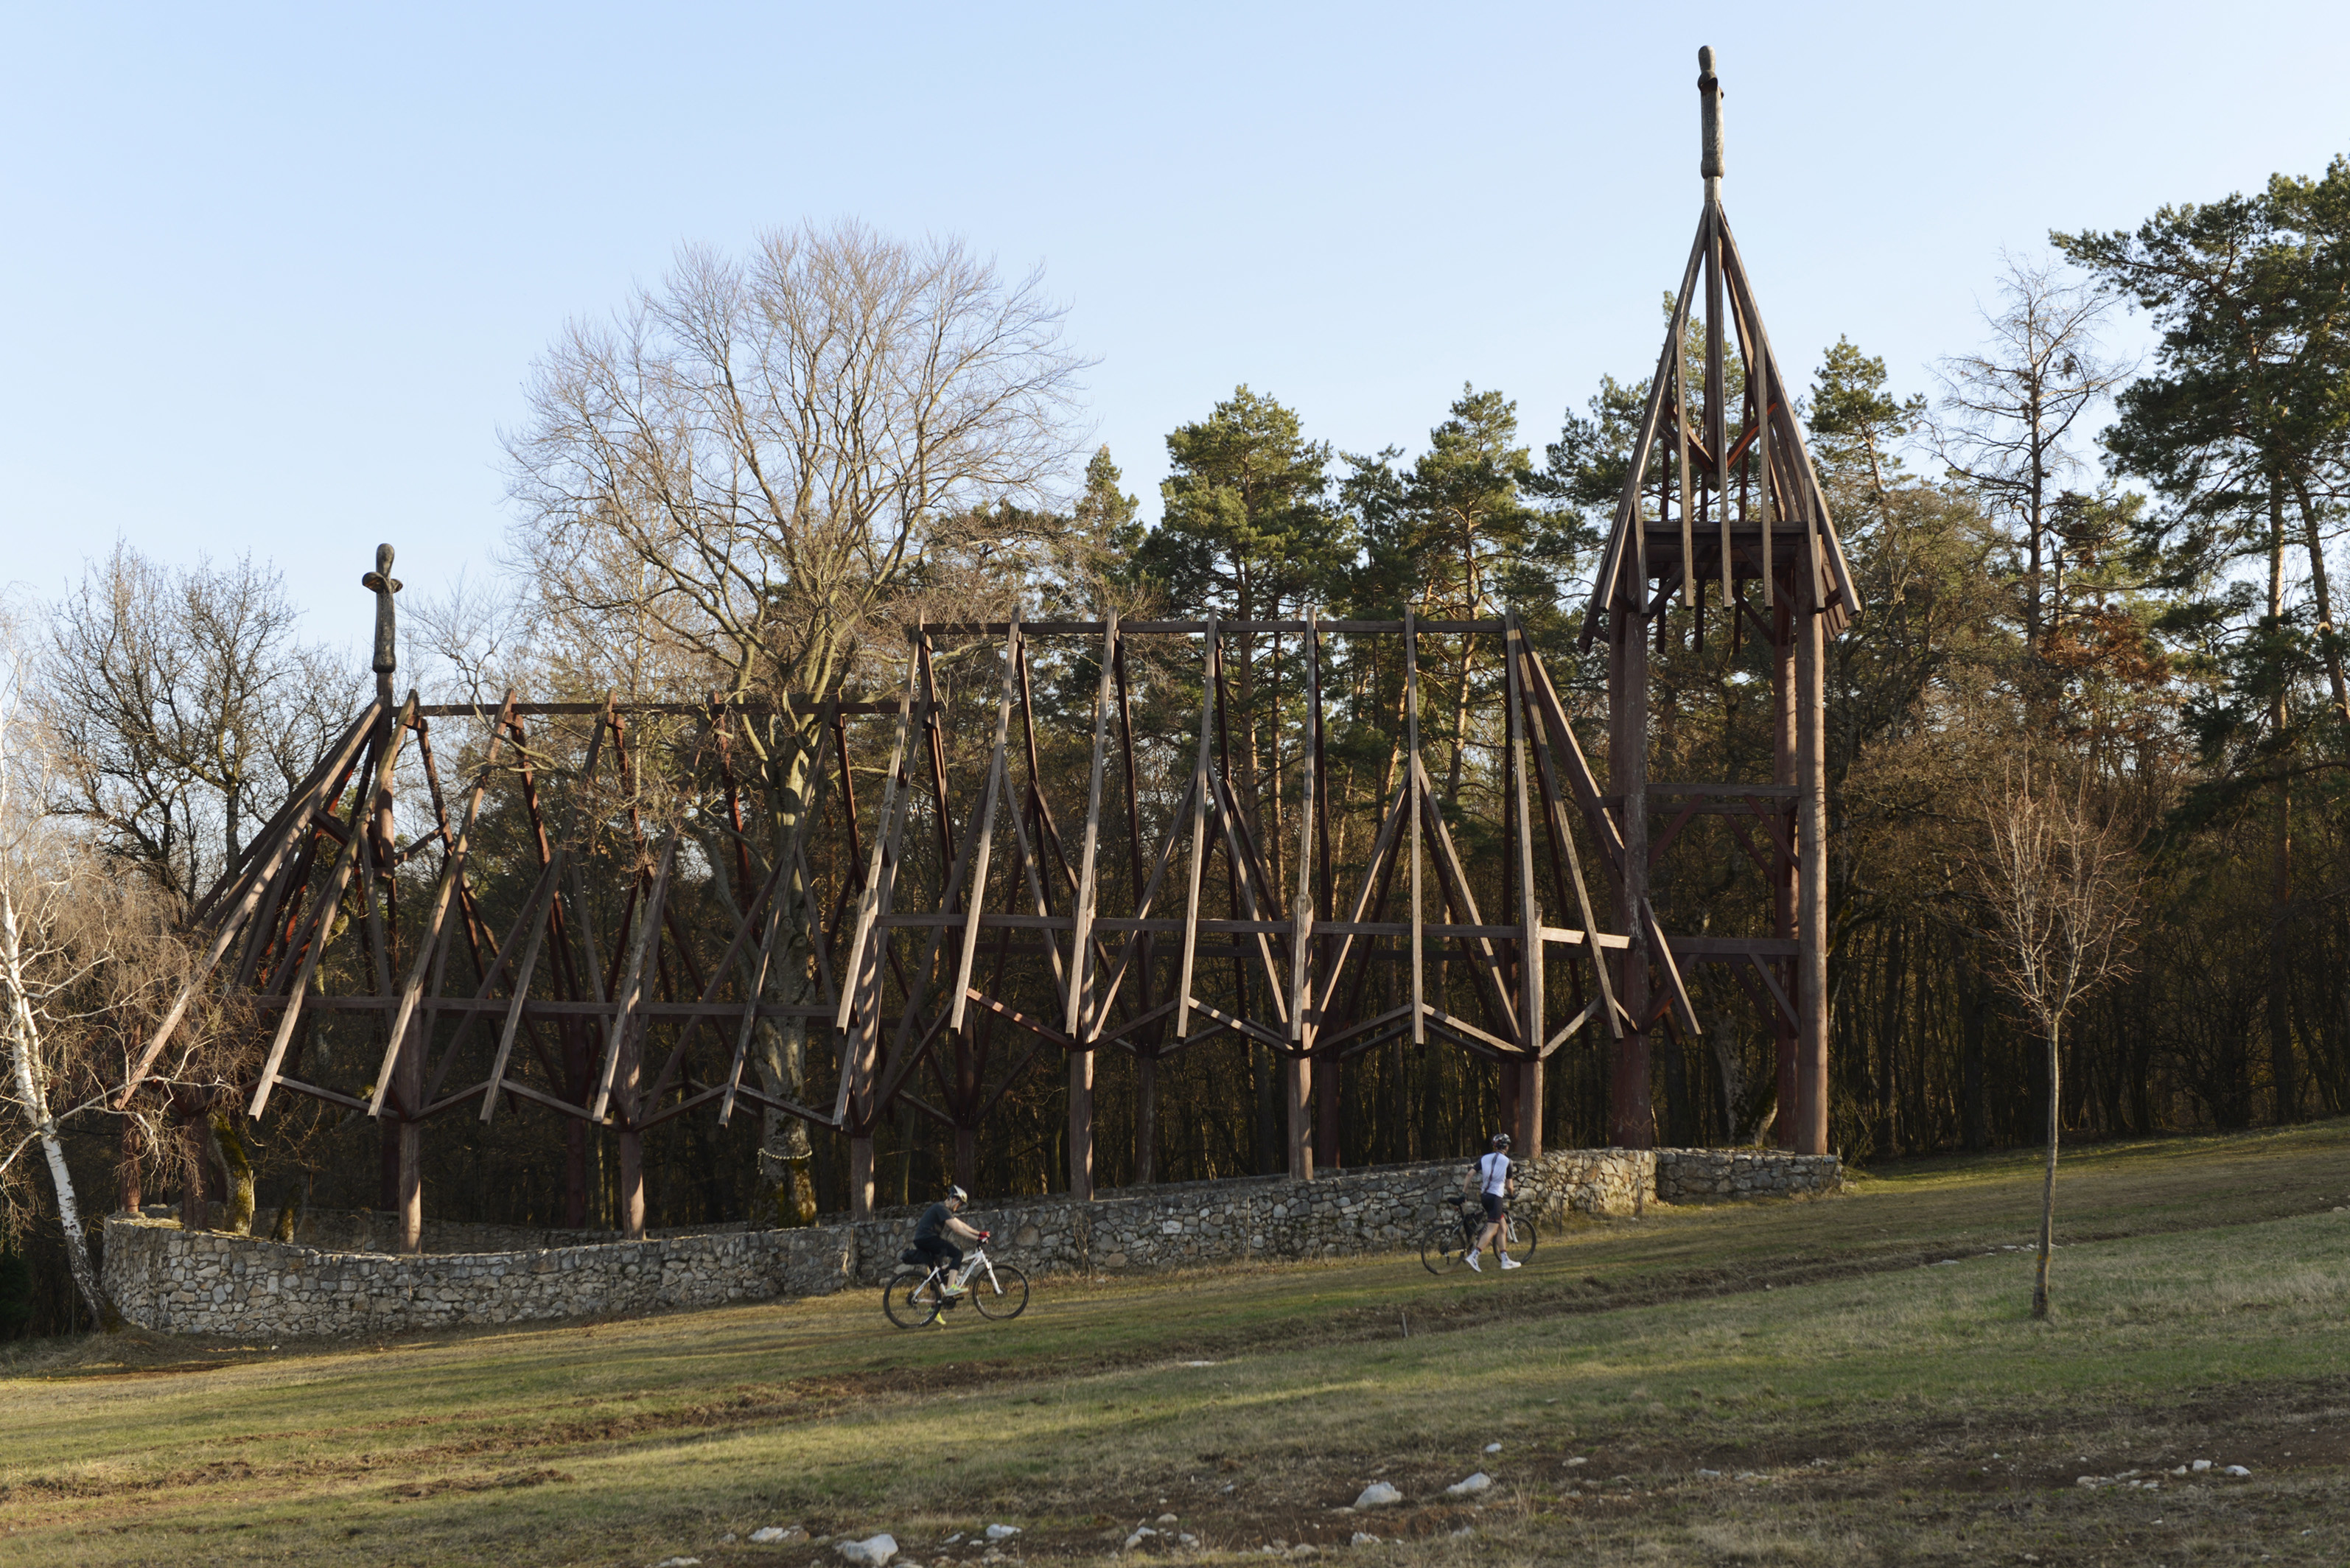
(1721, 501)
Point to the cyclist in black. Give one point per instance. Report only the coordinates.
(939, 1222)
(1490, 1178)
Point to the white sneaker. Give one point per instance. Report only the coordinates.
(1510, 1263)
(1476, 1264)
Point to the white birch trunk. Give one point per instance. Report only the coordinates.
(25, 1044)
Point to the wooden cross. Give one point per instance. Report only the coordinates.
(384, 586)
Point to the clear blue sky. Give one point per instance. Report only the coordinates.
(274, 276)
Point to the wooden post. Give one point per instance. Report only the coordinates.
(1411, 817)
(860, 991)
(1208, 681)
(975, 898)
(1082, 1022)
(1528, 1073)
(860, 1174)
(1810, 1131)
(1081, 1125)
(1783, 881)
(1630, 1121)
(1300, 1086)
(1529, 1130)
(405, 1136)
(1300, 936)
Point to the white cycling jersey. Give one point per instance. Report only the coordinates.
(1493, 1174)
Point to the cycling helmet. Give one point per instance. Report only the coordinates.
(1501, 1140)
(957, 1195)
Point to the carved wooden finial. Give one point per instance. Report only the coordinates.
(1709, 98)
(384, 585)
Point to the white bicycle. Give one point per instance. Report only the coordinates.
(916, 1295)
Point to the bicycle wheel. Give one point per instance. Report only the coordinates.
(1444, 1248)
(910, 1298)
(1524, 1238)
(1007, 1296)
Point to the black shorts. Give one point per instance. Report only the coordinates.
(1494, 1207)
(938, 1248)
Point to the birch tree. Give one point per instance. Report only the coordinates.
(42, 966)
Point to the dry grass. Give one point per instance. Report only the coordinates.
(1882, 1403)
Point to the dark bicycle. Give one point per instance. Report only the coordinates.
(1447, 1246)
(914, 1297)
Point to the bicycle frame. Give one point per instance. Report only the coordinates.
(941, 1273)
(1472, 1220)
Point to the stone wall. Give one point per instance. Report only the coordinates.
(1697, 1175)
(212, 1284)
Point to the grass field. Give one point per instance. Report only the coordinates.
(1861, 1371)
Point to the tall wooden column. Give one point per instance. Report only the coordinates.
(860, 1176)
(1298, 1081)
(1529, 1130)
(1631, 1123)
(403, 1137)
(631, 1171)
(1811, 865)
(1783, 1031)
(1081, 1125)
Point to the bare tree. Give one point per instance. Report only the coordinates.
(728, 486)
(84, 947)
(184, 707)
(2054, 875)
(2009, 409)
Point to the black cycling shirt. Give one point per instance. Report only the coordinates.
(932, 1224)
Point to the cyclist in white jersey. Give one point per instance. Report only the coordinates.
(1490, 1178)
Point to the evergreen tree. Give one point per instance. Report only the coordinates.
(1244, 530)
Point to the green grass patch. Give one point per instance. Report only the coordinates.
(1860, 1373)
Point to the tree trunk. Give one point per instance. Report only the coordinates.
(2329, 644)
(2047, 1190)
(2280, 1065)
(1145, 1120)
(227, 1152)
(130, 1172)
(786, 1158)
(2281, 887)
(32, 1089)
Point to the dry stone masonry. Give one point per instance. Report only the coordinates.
(331, 1283)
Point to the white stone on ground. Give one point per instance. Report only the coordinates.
(1709, 1475)
(1364, 1538)
(679, 1562)
(1165, 1519)
(1578, 1459)
(1141, 1533)
(2202, 1464)
(1471, 1487)
(2238, 1471)
(1492, 1448)
(1002, 1531)
(773, 1534)
(874, 1550)
(1379, 1494)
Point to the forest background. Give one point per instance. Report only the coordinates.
(2148, 617)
